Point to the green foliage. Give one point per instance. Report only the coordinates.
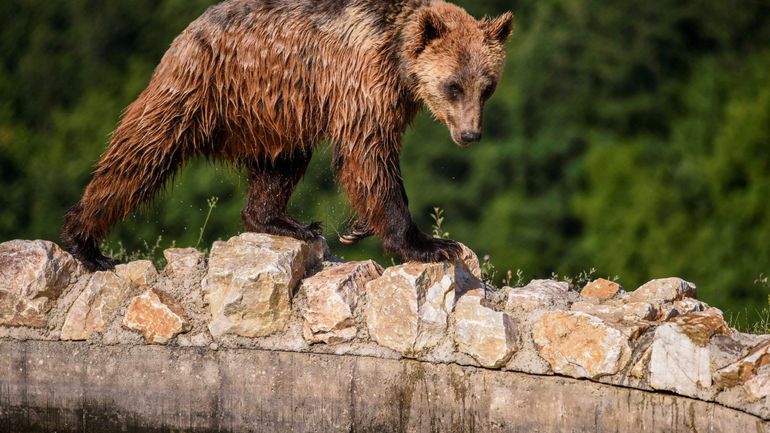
(759, 322)
(438, 221)
(212, 202)
(509, 280)
(578, 281)
(488, 271)
(628, 136)
(762, 281)
(151, 252)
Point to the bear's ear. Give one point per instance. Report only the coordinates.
(499, 29)
(429, 28)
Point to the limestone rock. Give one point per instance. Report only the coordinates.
(601, 289)
(538, 295)
(639, 370)
(757, 387)
(471, 261)
(700, 326)
(680, 360)
(33, 274)
(157, 316)
(141, 273)
(181, 261)
(408, 307)
(745, 368)
(677, 364)
(614, 311)
(251, 279)
(663, 290)
(481, 332)
(331, 299)
(580, 345)
(94, 307)
(196, 340)
(679, 308)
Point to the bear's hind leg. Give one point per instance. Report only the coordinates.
(124, 179)
(82, 244)
(271, 183)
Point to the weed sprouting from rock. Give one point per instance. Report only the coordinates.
(152, 252)
(438, 222)
(212, 202)
(147, 252)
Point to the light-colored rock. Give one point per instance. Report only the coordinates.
(196, 340)
(538, 295)
(618, 311)
(580, 345)
(33, 274)
(141, 273)
(94, 308)
(156, 315)
(677, 364)
(700, 326)
(639, 370)
(331, 297)
(679, 308)
(745, 368)
(680, 360)
(251, 279)
(481, 332)
(408, 307)
(182, 261)
(471, 261)
(663, 290)
(757, 386)
(601, 289)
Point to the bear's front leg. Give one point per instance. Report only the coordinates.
(271, 183)
(358, 230)
(372, 179)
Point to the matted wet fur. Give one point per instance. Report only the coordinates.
(258, 83)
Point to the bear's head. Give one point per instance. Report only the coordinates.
(454, 63)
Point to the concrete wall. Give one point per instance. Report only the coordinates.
(79, 387)
(270, 334)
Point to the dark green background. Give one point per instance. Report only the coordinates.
(629, 136)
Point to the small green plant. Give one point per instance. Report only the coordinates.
(509, 280)
(148, 252)
(489, 274)
(760, 325)
(152, 252)
(212, 202)
(578, 281)
(438, 222)
(488, 271)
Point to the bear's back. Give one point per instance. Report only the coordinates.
(291, 71)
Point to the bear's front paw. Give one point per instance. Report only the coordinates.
(430, 250)
(357, 231)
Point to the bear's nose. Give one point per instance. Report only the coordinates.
(470, 136)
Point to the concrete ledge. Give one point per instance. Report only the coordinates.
(78, 387)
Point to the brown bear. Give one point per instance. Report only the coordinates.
(259, 83)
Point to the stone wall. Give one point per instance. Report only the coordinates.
(260, 293)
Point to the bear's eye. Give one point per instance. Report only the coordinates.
(454, 91)
(488, 91)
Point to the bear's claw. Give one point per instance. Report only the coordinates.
(357, 231)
